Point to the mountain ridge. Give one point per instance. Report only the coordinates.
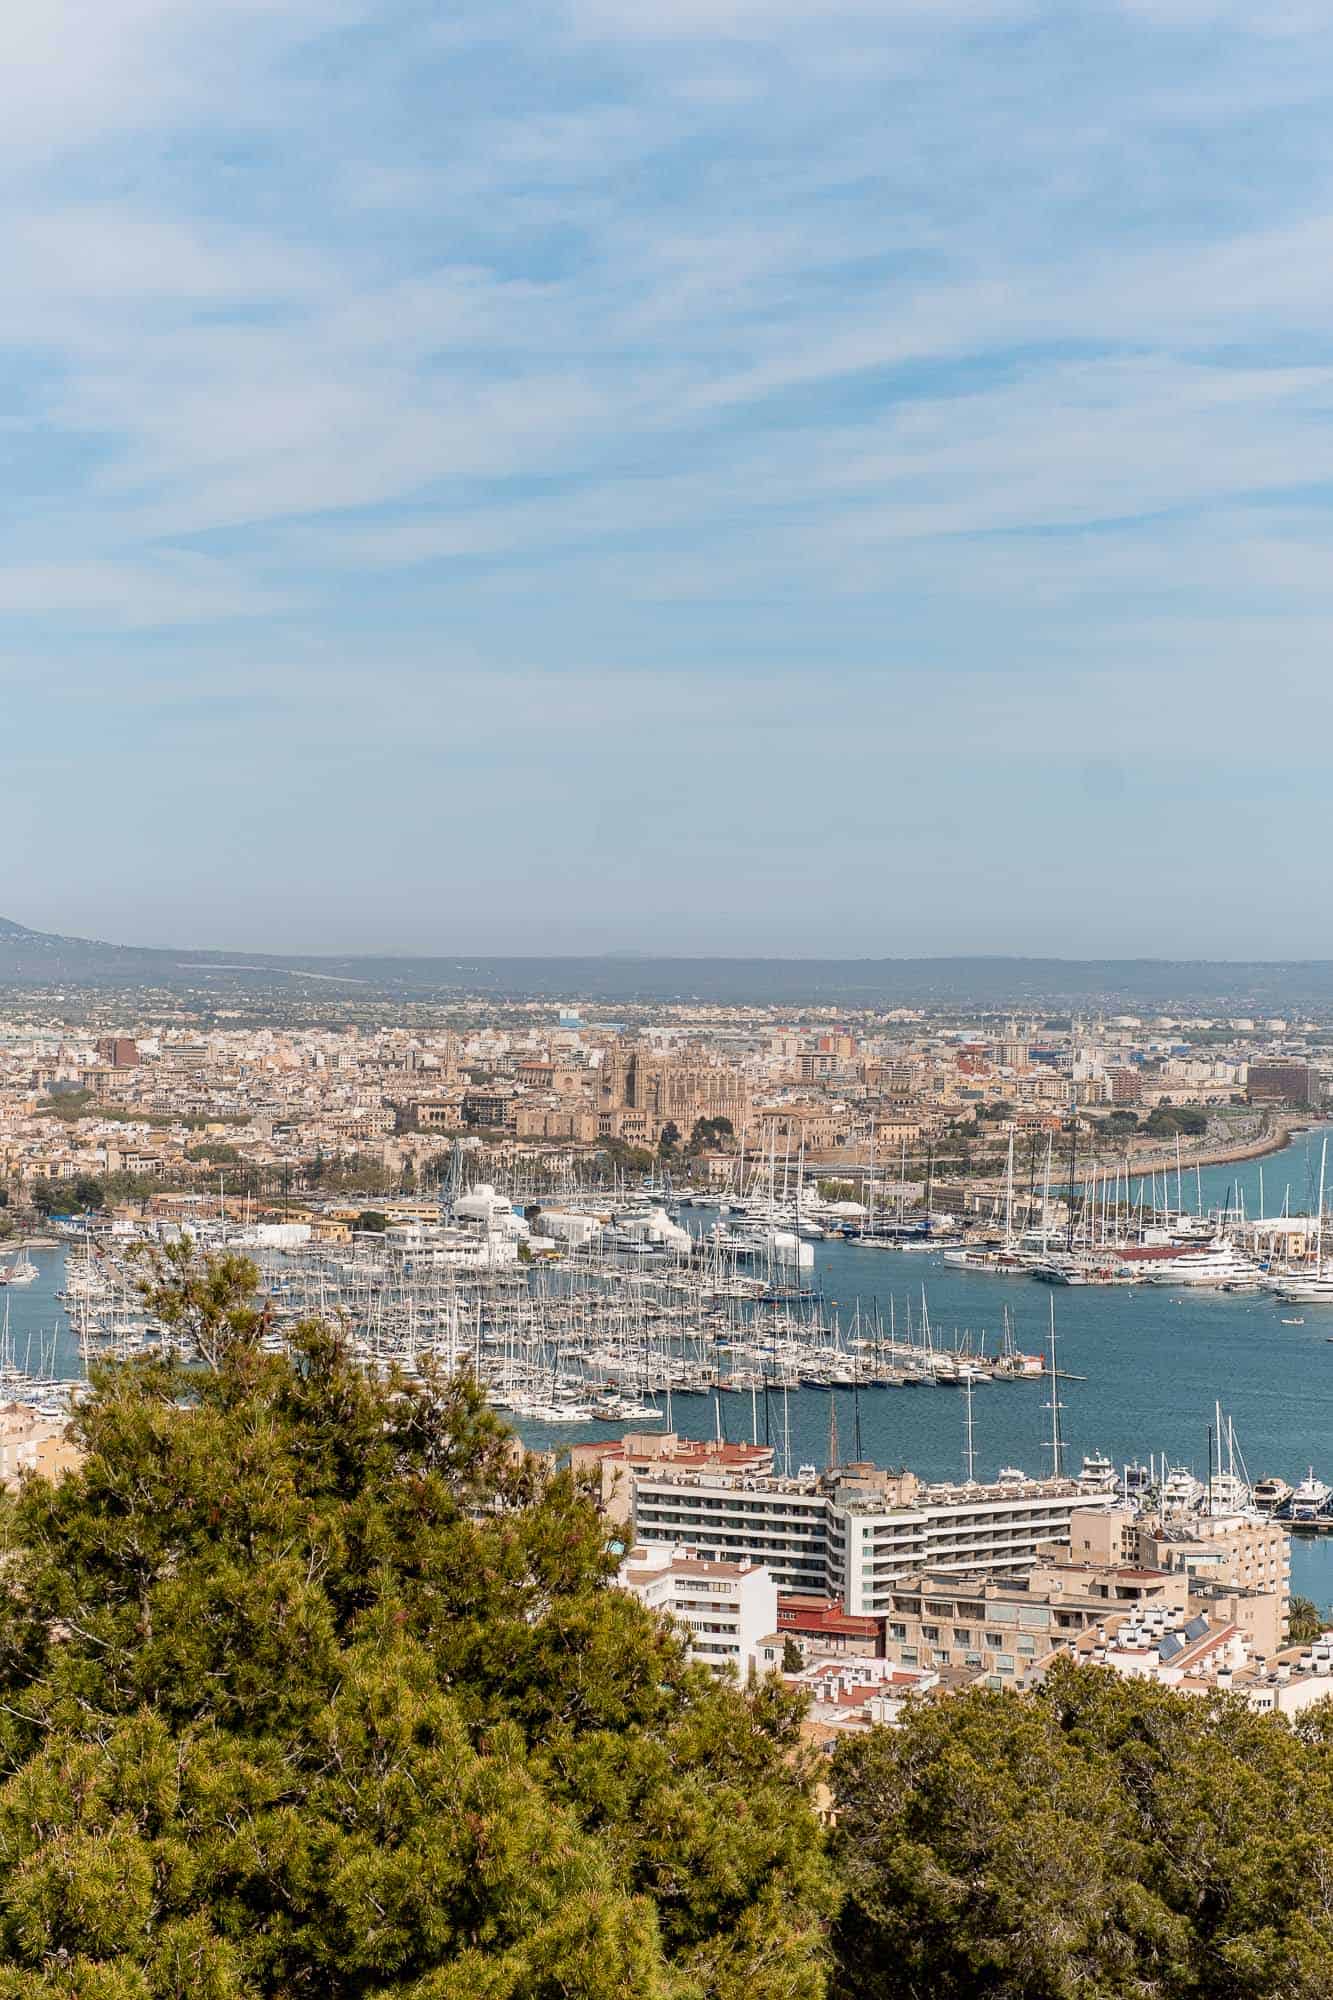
(30, 957)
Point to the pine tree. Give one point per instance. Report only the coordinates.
(314, 1685)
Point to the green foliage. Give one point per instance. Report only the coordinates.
(314, 1686)
(132, 1187)
(68, 1104)
(87, 1194)
(626, 1158)
(351, 1173)
(373, 1220)
(837, 1190)
(668, 1142)
(1101, 1838)
(213, 1153)
(709, 1134)
(793, 1659)
(67, 1197)
(1166, 1120)
(1307, 1622)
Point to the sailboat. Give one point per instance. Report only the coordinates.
(21, 1272)
(1311, 1288)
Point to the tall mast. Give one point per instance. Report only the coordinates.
(870, 1197)
(1057, 1444)
(969, 1457)
(1319, 1224)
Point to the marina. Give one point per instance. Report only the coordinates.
(1152, 1359)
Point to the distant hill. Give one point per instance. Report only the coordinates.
(40, 958)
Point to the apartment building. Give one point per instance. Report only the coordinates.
(1003, 1629)
(1229, 1551)
(726, 1609)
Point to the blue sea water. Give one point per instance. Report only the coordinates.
(1155, 1361)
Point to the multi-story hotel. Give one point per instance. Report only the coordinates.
(853, 1533)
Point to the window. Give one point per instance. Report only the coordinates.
(930, 1631)
(994, 1639)
(962, 1637)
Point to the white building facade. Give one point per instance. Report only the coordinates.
(853, 1535)
(726, 1609)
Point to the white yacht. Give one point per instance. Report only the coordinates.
(1312, 1286)
(1218, 1264)
(1305, 1288)
(1097, 1474)
(1182, 1493)
(1308, 1502)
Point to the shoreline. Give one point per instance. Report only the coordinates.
(1143, 1167)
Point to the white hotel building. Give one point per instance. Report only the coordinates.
(853, 1533)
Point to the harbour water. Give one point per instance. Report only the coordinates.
(1155, 1361)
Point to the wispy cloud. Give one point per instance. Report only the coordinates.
(590, 381)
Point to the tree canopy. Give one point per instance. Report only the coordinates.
(313, 1684)
(1101, 1838)
(1166, 1120)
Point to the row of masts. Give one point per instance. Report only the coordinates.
(587, 1328)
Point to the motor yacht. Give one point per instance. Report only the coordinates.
(1307, 1503)
(1218, 1265)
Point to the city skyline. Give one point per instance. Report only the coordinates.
(716, 483)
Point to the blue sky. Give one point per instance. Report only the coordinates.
(724, 477)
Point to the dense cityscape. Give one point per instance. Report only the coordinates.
(666, 1055)
(620, 1236)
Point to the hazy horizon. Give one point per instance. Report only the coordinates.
(713, 481)
(630, 957)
